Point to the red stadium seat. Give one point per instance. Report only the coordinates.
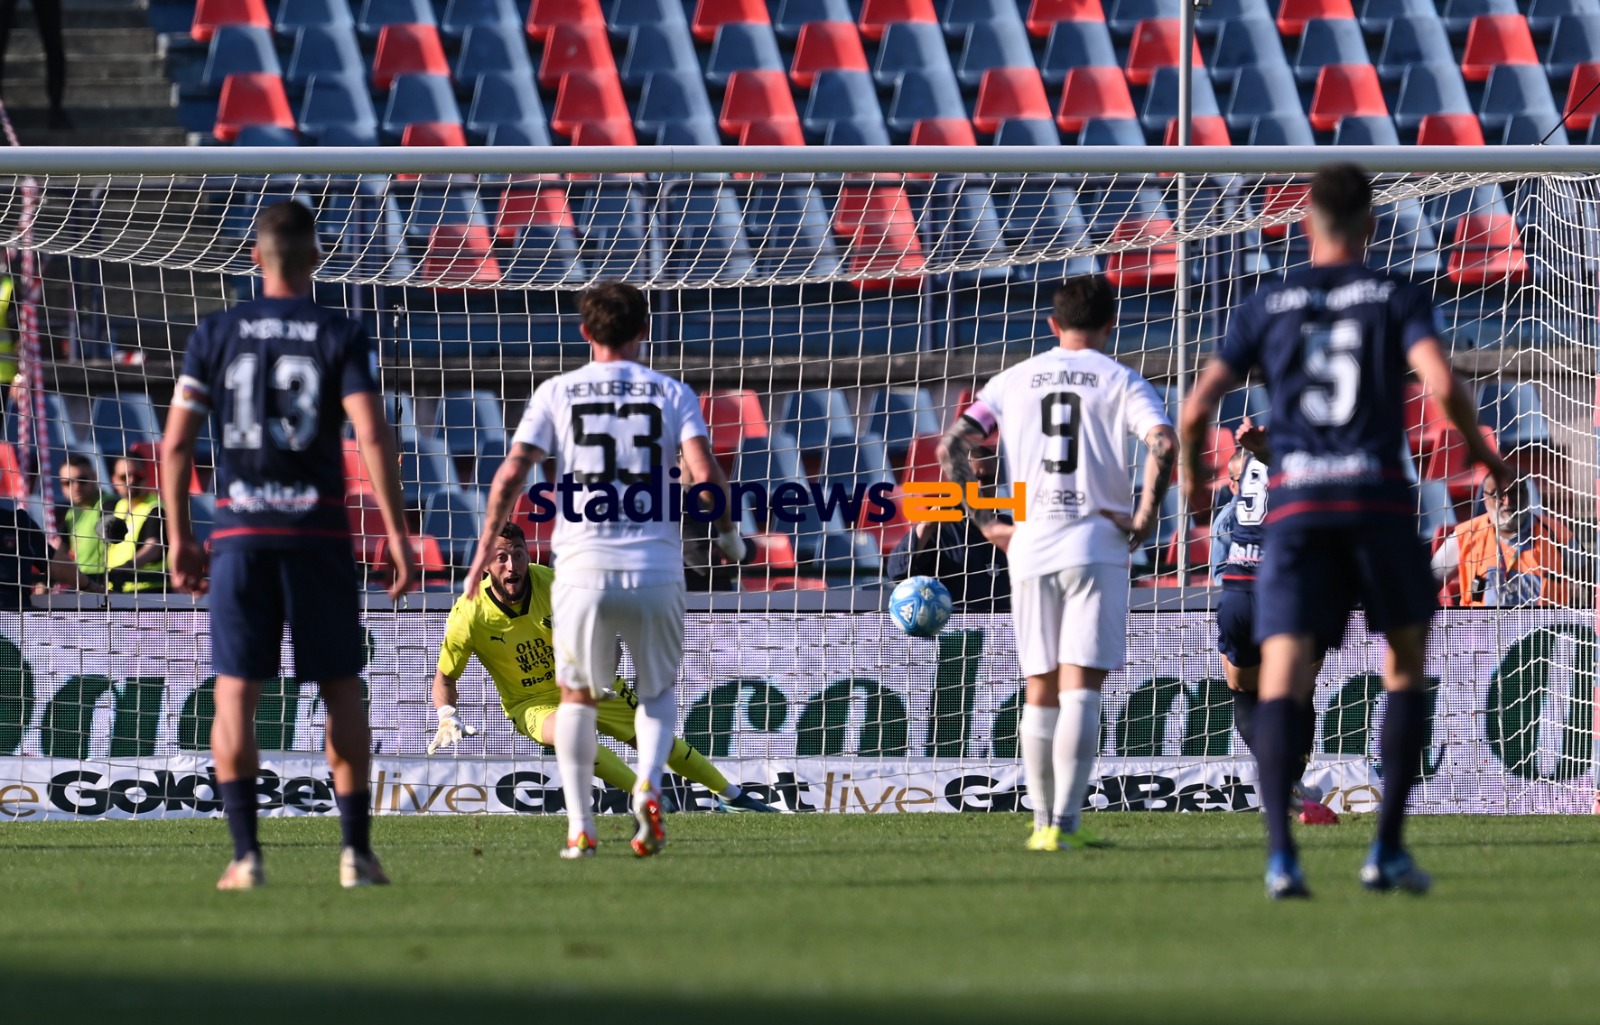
(777, 132)
(12, 482)
(545, 15)
(1293, 14)
(366, 524)
(433, 568)
(1448, 461)
(1007, 94)
(570, 48)
(210, 15)
(1583, 98)
(460, 255)
(879, 225)
(408, 50)
(732, 415)
(710, 15)
(1157, 44)
(756, 96)
(605, 133)
(1220, 446)
(1487, 251)
(1211, 130)
(1043, 14)
(760, 581)
(921, 460)
(826, 46)
(1496, 39)
(1282, 198)
(433, 133)
(251, 98)
(943, 131)
(1450, 130)
(535, 206)
(356, 479)
(146, 451)
(1090, 93)
(587, 97)
(889, 533)
(1346, 90)
(1154, 266)
(538, 531)
(878, 15)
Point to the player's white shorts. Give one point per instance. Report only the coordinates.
(590, 611)
(1077, 617)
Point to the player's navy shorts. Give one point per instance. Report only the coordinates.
(1236, 626)
(1311, 579)
(315, 591)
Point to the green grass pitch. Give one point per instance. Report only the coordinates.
(768, 920)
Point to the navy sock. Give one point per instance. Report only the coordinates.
(355, 820)
(1277, 749)
(1401, 743)
(1244, 717)
(239, 805)
(1308, 736)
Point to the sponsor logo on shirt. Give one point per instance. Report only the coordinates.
(278, 498)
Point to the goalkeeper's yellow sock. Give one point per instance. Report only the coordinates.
(694, 766)
(613, 769)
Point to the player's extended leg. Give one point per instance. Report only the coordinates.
(1287, 678)
(1075, 748)
(1405, 734)
(607, 766)
(576, 746)
(1036, 733)
(349, 747)
(652, 628)
(234, 753)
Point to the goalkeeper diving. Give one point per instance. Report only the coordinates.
(507, 625)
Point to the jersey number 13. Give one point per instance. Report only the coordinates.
(297, 379)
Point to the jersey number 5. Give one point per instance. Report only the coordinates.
(1333, 363)
(297, 378)
(1059, 415)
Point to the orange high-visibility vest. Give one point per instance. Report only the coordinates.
(1529, 575)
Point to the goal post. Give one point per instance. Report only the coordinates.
(834, 307)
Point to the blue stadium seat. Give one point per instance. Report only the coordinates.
(414, 98)
(654, 48)
(849, 555)
(841, 97)
(672, 97)
(921, 95)
(613, 220)
(768, 460)
(492, 453)
(742, 46)
(1514, 411)
(958, 15)
(1575, 40)
(401, 410)
(703, 231)
(1116, 131)
(627, 15)
(814, 418)
(1515, 89)
(1214, 16)
(856, 133)
(1262, 90)
(788, 223)
(324, 50)
(1544, 14)
(1533, 130)
(294, 15)
(456, 519)
(465, 418)
(1240, 44)
(507, 101)
(542, 254)
(118, 421)
(377, 13)
(1404, 241)
(1430, 89)
(426, 469)
(965, 222)
(1328, 41)
(1377, 14)
(1366, 131)
(698, 132)
(1445, 209)
(266, 135)
(491, 49)
(1458, 14)
(1027, 132)
(898, 415)
(1409, 41)
(1283, 129)
(793, 14)
(1075, 44)
(1161, 98)
(337, 110)
(910, 46)
(856, 462)
(1001, 44)
(461, 15)
(236, 49)
(1123, 16)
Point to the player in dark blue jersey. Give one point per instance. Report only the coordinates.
(1335, 343)
(277, 376)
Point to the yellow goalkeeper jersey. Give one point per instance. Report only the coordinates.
(513, 644)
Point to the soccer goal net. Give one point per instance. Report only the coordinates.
(834, 323)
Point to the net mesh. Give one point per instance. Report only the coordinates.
(834, 326)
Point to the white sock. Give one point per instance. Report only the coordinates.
(1037, 731)
(576, 743)
(654, 722)
(1077, 745)
(733, 793)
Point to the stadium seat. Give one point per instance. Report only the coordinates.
(1544, 14)
(1154, 266)
(1044, 15)
(1205, 130)
(1009, 94)
(545, 16)
(924, 96)
(1293, 14)
(1450, 130)
(1576, 39)
(266, 135)
(789, 224)
(1409, 41)
(910, 46)
(1287, 129)
(878, 225)
(674, 98)
(703, 232)
(1093, 93)
(1457, 15)
(711, 15)
(1111, 131)
(1448, 208)
(252, 98)
(756, 97)
(1487, 251)
(613, 222)
(626, 15)
(861, 461)
(1161, 99)
(588, 98)
(1076, 44)
(1027, 132)
(464, 418)
(426, 469)
(1583, 96)
(337, 107)
(575, 48)
(731, 416)
(118, 421)
(1377, 14)
(841, 96)
(792, 15)
(1156, 45)
(462, 15)
(607, 133)
(1496, 39)
(414, 98)
(491, 49)
(1327, 42)
(238, 49)
(812, 419)
(1259, 91)
(901, 415)
(1346, 90)
(323, 50)
(1516, 89)
(1404, 241)
(1214, 16)
(943, 131)
(1514, 411)
(1123, 16)
(1279, 198)
(999, 45)
(407, 50)
(958, 15)
(1366, 131)
(1242, 44)
(455, 518)
(210, 15)
(743, 47)
(877, 15)
(962, 219)
(1429, 89)
(1532, 130)
(375, 14)
(532, 204)
(826, 46)
(294, 15)
(653, 48)
(785, 131)
(433, 133)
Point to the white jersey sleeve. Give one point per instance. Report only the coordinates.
(537, 426)
(1145, 409)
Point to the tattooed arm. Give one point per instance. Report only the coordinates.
(955, 456)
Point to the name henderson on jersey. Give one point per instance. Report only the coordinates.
(613, 389)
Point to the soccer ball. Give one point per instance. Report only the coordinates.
(920, 606)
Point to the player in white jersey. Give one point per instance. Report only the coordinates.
(1064, 418)
(615, 429)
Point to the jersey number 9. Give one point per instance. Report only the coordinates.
(1063, 425)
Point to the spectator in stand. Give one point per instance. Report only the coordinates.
(1512, 556)
(80, 523)
(47, 13)
(957, 554)
(135, 534)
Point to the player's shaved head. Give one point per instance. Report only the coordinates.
(614, 313)
(286, 238)
(1084, 302)
(1341, 202)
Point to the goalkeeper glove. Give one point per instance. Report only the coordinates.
(731, 544)
(451, 729)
